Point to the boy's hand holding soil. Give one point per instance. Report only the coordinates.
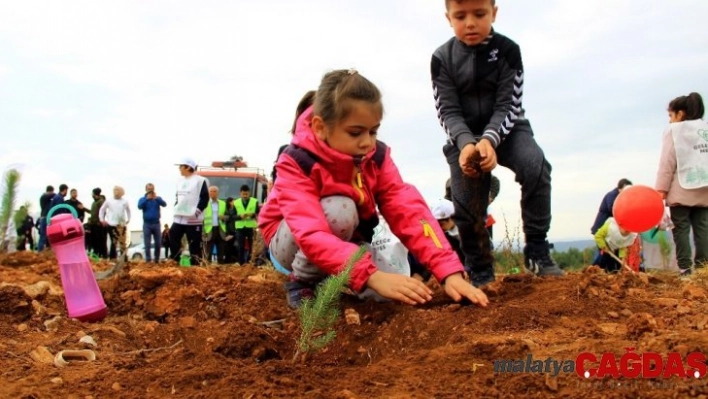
(479, 158)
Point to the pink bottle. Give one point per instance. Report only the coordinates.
(83, 297)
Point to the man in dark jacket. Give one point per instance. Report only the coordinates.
(97, 236)
(76, 204)
(605, 211)
(45, 201)
(58, 199)
(608, 201)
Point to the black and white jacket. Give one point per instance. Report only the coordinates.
(478, 89)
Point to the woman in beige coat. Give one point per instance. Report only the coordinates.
(683, 178)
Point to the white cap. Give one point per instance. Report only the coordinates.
(189, 162)
(443, 209)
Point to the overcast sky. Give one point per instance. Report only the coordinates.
(99, 93)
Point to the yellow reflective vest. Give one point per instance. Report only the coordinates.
(240, 210)
(208, 219)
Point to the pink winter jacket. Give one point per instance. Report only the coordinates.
(667, 178)
(295, 199)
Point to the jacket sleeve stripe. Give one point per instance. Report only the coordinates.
(438, 108)
(515, 111)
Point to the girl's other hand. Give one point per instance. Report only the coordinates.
(457, 288)
(399, 287)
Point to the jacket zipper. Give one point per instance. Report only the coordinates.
(429, 232)
(475, 66)
(357, 181)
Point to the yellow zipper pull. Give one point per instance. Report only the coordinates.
(358, 179)
(429, 232)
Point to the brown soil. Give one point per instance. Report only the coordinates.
(196, 333)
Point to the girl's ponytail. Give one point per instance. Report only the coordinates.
(694, 106)
(691, 106)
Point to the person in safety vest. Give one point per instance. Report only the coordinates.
(246, 222)
(215, 225)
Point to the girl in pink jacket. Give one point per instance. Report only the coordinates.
(683, 178)
(331, 179)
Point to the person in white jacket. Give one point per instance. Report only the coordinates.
(115, 215)
(192, 198)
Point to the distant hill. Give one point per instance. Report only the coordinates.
(563, 246)
(560, 246)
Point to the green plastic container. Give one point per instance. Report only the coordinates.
(185, 261)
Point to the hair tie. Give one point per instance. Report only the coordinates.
(351, 71)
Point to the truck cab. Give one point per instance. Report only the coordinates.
(229, 176)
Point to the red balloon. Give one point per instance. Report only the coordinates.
(638, 208)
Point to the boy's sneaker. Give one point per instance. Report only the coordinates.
(482, 277)
(537, 260)
(296, 291)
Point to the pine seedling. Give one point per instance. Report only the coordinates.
(319, 314)
(10, 185)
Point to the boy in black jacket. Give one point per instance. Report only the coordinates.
(477, 84)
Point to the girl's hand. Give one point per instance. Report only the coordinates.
(457, 288)
(399, 287)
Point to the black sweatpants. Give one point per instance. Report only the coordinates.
(520, 153)
(194, 240)
(244, 240)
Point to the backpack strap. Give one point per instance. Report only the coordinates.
(379, 154)
(307, 160)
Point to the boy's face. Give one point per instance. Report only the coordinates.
(245, 195)
(471, 19)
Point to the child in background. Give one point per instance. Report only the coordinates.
(478, 81)
(612, 237)
(442, 210)
(330, 181)
(682, 178)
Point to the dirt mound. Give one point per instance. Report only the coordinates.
(227, 332)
